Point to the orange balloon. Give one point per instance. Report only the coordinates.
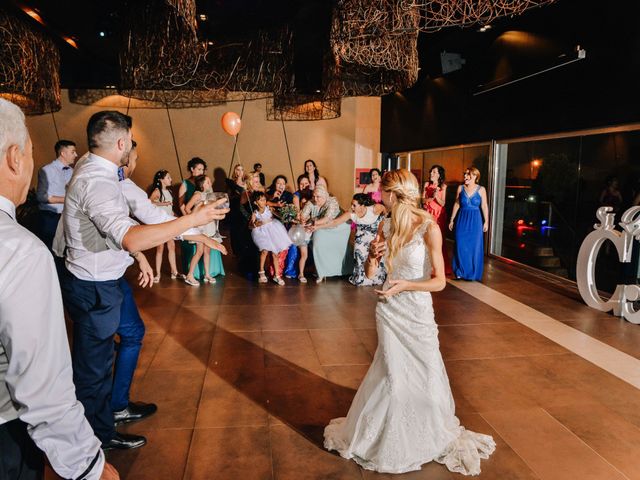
(231, 123)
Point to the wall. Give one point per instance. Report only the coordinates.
(333, 144)
(601, 90)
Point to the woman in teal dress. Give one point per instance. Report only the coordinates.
(196, 167)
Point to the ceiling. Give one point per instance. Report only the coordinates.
(96, 27)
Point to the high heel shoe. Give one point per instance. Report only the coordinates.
(193, 282)
(177, 275)
(320, 279)
(156, 279)
(302, 279)
(209, 279)
(278, 280)
(262, 278)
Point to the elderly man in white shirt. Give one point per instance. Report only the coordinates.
(99, 234)
(37, 398)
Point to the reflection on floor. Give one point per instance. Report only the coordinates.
(246, 377)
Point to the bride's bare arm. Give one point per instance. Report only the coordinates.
(437, 282)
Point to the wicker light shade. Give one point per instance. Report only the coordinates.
(374, 46)
(437, 14)
(298, 107)
(29, 67)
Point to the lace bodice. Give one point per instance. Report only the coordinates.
(413, 261)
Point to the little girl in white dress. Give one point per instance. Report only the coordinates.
(269, 235)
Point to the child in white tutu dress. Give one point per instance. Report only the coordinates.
(269, 235)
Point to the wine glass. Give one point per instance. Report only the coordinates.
(215, 196)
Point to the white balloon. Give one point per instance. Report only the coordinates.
(297, 235)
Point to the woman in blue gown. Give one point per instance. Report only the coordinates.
(471, 219)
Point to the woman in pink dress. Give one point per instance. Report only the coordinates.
(434, 198)
(373, 189)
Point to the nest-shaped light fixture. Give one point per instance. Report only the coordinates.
(374, 46)
(29, 67)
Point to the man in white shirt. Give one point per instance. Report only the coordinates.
(37, 398)
(52, 183)
(99, 234)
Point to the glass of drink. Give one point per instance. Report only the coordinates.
(215, 196)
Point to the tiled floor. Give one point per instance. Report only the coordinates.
(246, 377)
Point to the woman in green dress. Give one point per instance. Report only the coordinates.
(196, 167)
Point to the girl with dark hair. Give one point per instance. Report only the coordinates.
(161, 196)
(269, 235)
(434, 197)
(312, 173)
(366, 216)
(303, 194)
(374, 189)
(212, 259)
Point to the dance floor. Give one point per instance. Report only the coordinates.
(246, 376)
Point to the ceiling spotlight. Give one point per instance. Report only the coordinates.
(102, 34)
(484, 28)
(33, 14)
(70, 41)
(210, 43)
(110, 86)
(203, 17)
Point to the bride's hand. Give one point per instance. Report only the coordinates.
(397, 286)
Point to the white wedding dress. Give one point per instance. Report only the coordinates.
(403, 414)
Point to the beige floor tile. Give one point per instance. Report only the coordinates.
(230, 454)
(297, 458)
(164, 457)
(548, 447)
(610, 435)
(339, 347)
(177, 394)
(224, 404)
(195, 319)
(183, 351)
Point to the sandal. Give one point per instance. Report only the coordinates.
(278, 280)
(156, 279)
(302, 279)
(191, 281)
(209, 279)
(177, 275)
(262, 278)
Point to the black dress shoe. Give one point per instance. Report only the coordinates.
(134, 412)
(124, 441)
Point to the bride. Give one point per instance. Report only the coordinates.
(403, 414)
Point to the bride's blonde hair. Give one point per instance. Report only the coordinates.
(404, 185)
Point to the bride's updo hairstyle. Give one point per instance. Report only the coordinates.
(404, 186)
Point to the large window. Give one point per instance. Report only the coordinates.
(546, 193)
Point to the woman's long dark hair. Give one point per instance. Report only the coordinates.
(157, 182)
(440, 169)
(272, 188)
(316, 173)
